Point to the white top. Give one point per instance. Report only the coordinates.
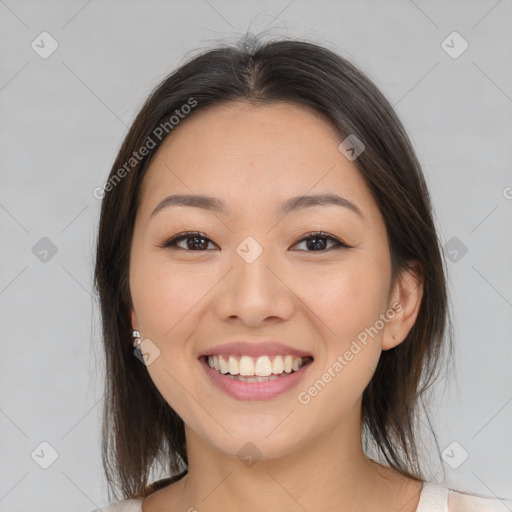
(433, 498)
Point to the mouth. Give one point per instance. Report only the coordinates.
(256, 369)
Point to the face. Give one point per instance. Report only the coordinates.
(257, 273)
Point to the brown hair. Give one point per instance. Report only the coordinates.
(139, 428)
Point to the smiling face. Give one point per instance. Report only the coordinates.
(255, 272)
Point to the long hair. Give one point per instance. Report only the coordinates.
(139, 428)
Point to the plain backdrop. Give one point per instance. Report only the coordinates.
(63, 118)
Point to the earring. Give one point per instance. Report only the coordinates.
(136, 339)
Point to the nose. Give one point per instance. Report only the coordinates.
(255, 293)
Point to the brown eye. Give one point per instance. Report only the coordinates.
(194, 241)
(317, 242)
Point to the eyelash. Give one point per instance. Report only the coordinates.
(193, 234)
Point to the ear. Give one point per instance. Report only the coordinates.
(405, 300)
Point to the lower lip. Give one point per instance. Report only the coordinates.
(255, 390)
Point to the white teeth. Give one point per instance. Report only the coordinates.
(224, 366)
(233, 366)
(277, 365)
(261, 366)
(252, 379)
(246, 366)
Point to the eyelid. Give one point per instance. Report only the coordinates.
(171, 242)
(339, 242)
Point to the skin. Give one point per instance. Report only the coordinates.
(186, 301)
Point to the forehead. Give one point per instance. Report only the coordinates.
(253, 156)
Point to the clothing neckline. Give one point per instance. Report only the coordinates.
(433, 498)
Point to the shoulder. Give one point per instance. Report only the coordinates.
(128, 505)
(459, 501)
(438, 498)
(151, 492)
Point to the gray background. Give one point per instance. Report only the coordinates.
(64, 118)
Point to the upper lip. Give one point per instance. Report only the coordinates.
(255, 349)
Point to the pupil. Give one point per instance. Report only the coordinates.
(313, 242)
(193, 245)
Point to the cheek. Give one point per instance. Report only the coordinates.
(164, 300)
(348, 302)
(347, 299)
(163, 297)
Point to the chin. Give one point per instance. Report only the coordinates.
(252, 444)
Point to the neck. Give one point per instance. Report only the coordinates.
(329, 473)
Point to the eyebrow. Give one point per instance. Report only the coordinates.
(290, 205)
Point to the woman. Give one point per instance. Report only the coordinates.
(267, 240)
